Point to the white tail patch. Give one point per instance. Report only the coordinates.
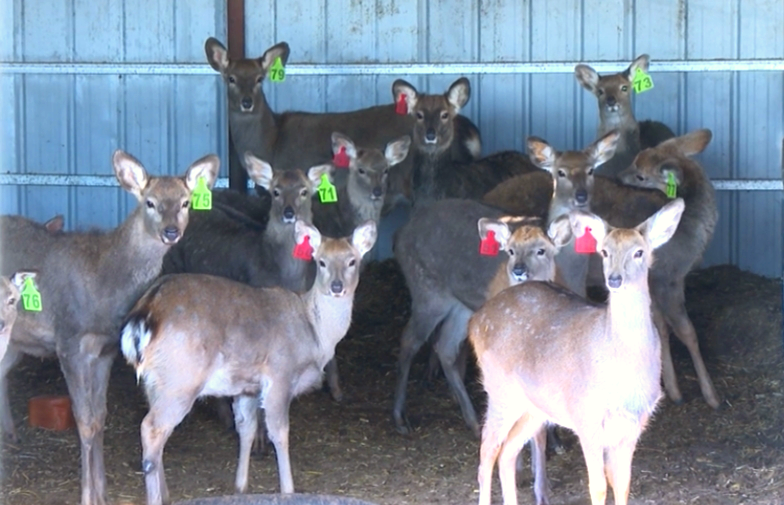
(134, 338)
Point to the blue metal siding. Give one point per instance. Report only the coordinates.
(70, 124)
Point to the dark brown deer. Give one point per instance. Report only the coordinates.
(549, 356)
(263, 346)
(296, 139)
(613, 93)
(436, 173)
(87, 282)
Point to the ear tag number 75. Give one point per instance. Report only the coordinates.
(201, 199)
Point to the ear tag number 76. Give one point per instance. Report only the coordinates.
(31, 297)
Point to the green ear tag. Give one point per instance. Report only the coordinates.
(672, 185)
(31, 297)
(277, 72)
(642, 81)
(201, 199)
(326, 190)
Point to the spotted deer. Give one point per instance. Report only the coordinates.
(10, 295)
(613, 93)
(87, 282)
(438, 253)
(295, 139)
(436, 174)
(194, 335)
(549, 356)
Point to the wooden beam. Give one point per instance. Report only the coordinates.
(238, 177)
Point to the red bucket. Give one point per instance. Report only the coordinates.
(51, 413)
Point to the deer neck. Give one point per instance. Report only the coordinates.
(425, 172)
(626, 124)
(500, 281)
(358, 205)
(330, 318)
(255, 131)
(629, 316)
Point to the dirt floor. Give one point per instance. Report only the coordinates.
(689, 455)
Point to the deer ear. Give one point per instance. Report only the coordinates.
(640, 62)
(280, 50)
(459, 93)
(397, 150)
(339, 140)
(587, 77)
(364, 237)
(258, 170)
(130, 173)
(660, 227)
(315, 173)
(603, 148)
(401, 87)
(501, 230)
(55, 224)
(217, 55)
(207, 167)
(303, 229)
(541, 153)
(19, 278)
(580, 221)
(691, 143)
(560, 231)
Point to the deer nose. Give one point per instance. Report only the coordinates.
(519, 269)
(430, 135)
(611, 100)
(171, 233)
(581, 196)
(336, 287)
(614, 281)
(288, 213)
(377, 192)
(247, 103)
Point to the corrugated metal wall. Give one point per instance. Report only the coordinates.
(70, 124)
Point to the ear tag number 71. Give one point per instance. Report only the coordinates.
(326, 190)
(277, 71)
(31, 297)
(201, 199)
(642, 81)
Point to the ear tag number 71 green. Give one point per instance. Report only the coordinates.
(277, 71)
(31, 297)
(672, 186)
(642, 81)
(326, 190)
(201, 199)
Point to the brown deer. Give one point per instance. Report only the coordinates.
(549, 356)
(613, 93)
(10, 294)
(295, 139)
(436, 173)
(194, 335)
(652, 168)
(438, 252)
(87, 282)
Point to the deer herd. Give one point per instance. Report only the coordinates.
(249, 299)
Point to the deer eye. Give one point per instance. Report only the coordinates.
(12, 301)
(511, 252)
(624, 88)
(352, 262)
(276, 192)
(604, 253)
(640, 177)
(303, 192)
(322, 264)
(186, 204)
(540, 252)
(638, 253)
(150, 204)
(361, 171)
(259, 79)
(561, 173)
(444, 116)
(232, 79)
(420, 116)
(590, 171)
(600, 92)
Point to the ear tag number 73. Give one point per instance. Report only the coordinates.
(201, 199)
(31, 297)
(642, 81)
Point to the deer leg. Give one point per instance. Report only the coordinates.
(526, 427)
(416, 333)
(618, 469)
(500, 419)
(276, 416)
(593, 453)
(246, 421)
(538, 468)
(333, 380)
(100, 384)
(668, 370)
(453, 334)
(9, 360)
(674, 308)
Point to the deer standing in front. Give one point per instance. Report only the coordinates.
(438, 252)
(193, 335)
(549, 356)
(613, 93)
(294, 139)
(87, 282)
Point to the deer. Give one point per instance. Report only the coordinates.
(194, 335)
(10, 294)
(446, 288)
(547, 355)
(87, 283)
(436, 173)
(293, 139)
(654, 168)
(613, 93)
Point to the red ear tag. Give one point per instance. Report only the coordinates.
(488, 246)
(303, 251)
(340, 160)
(585, 244)
(401, 107)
